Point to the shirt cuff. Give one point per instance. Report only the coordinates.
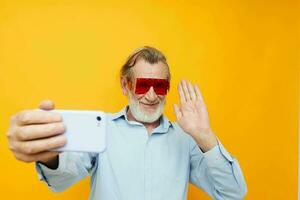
(43, 171)
(218, 155)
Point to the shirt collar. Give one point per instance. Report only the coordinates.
(163, 127)
(121, 113)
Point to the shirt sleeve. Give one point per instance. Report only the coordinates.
(72, 167)
(216, 172)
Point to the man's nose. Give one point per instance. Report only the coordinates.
(151, 95)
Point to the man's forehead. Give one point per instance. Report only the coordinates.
(143, 69)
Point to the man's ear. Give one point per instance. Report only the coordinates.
(123, 82)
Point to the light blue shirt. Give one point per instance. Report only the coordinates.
(139, 166)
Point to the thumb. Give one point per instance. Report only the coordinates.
(46, 105)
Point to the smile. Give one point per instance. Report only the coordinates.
(149, 105)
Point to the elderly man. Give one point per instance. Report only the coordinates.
(147, 156)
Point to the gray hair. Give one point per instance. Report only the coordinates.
(148, 54)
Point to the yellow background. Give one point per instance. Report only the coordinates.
(243, 54)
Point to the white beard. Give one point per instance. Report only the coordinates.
(138, 114)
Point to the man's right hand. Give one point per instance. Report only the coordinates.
(32, 133)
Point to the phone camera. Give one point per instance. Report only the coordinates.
(98, 118)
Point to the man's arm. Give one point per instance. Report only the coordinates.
(216, 172)
(71, 167)
(212, 168)
(33, 134)
(51, 163)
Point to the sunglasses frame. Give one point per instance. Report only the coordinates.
(152, 82)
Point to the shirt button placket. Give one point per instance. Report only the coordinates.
(148, 169)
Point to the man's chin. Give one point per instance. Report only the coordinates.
(149, 111)
(146, 115)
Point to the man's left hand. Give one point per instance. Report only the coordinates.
(192, 116)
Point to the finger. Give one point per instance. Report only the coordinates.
(191, 91)
(181, 94)
(37, 146)
(198, 93)
(185, 90)
(47, 105)
(177, 112)
(36, 157)
(38, 131)
(37, 117)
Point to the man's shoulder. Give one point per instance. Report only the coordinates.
(114, 115)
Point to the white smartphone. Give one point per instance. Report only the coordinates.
(85, 130)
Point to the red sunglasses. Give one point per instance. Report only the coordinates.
(160, 86)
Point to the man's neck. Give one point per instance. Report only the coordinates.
(149, 126)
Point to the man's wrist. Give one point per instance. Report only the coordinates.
(206, 141)
(50, 163)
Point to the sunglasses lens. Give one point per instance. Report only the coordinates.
(161, 86)
(142, 86)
